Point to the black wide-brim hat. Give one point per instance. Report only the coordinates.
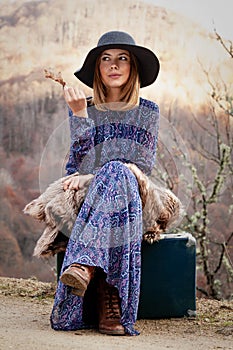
(148, 63)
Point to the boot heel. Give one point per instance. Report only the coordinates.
(78, 277)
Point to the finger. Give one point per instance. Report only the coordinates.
(66, 90)
(66, 184)
(74, 184)
(70, 94)
(74, 93)
(80, 94)
(66, 93)
(82, 97)
(65, 187)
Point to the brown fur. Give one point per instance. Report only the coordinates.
(59, 209)
(161, 208)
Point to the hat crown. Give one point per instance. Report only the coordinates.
(115, 37)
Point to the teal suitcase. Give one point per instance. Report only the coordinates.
(168, 279)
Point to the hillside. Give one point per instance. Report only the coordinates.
(54, 33)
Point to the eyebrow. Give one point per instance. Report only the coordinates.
(108, 54)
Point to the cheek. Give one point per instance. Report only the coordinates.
(101, 71)
(127, 72)
(102, 67)
(126, 68)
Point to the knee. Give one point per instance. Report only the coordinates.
(114, 166)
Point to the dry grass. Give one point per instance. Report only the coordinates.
(26, 287)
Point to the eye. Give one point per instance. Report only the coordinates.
(105, 58)
(123, 58)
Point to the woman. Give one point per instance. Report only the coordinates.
(100, 277)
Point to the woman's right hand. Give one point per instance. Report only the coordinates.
(76, 182)
(76, 100)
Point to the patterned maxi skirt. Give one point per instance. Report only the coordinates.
(107, 234)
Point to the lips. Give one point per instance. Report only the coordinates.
(114, 76)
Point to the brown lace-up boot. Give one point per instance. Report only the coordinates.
(109, 309)
(78, 276)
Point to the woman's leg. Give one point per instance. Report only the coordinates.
(106, 234)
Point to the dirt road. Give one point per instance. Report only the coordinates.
(24, 325)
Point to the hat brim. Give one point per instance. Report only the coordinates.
(148, 63)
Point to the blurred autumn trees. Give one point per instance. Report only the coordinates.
(209, 137)
(25, 128)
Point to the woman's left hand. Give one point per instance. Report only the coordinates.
(76, 182)
(76, 100)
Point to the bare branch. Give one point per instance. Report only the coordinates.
(223, 252)
(223, 246)
(203, 291)
(219, 179)
(219, 38)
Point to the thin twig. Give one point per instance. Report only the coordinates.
(55, 76)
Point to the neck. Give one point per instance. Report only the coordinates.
(113, 95)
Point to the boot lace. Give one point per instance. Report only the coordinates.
(112, 303)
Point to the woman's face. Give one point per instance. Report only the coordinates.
(114, 67)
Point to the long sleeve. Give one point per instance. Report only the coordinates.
(150, 124)
(82, 151)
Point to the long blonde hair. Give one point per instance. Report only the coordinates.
(129, 92)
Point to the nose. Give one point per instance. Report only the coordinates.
(114, 65)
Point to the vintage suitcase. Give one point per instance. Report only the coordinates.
(168, 280)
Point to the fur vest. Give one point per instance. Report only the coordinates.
(59, 209)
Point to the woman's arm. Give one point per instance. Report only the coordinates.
(154, 130)
(82, 132)
(148, 140)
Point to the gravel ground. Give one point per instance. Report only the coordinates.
(25, 307)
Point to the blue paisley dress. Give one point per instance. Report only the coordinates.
(108, 230)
